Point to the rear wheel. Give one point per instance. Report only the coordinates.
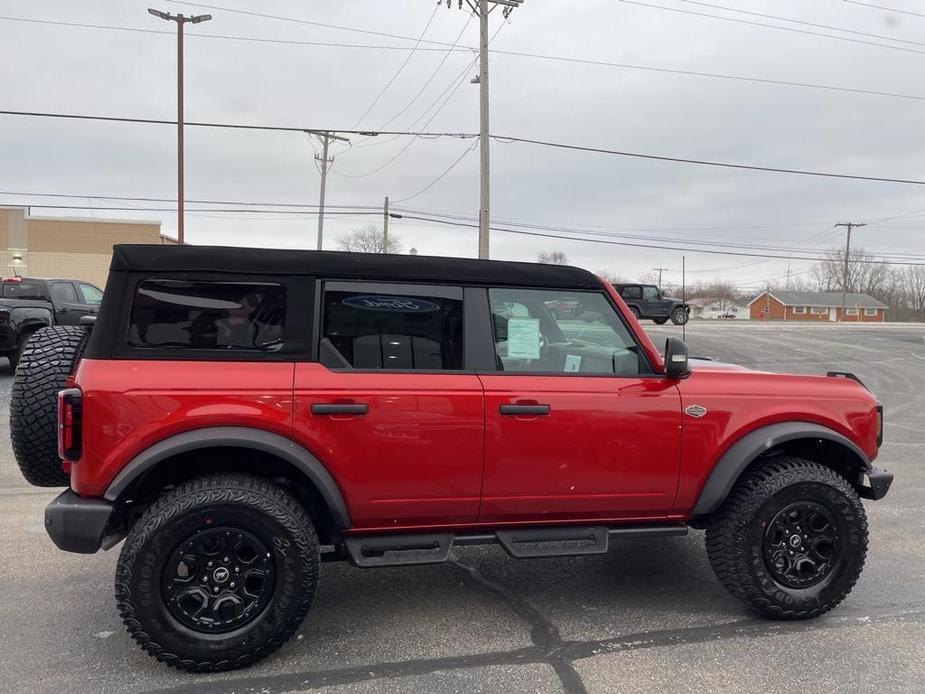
(218, 573)
(679, 316)
(635, 312)
(45, 362)
(790, 540)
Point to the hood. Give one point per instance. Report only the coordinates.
(702, 364)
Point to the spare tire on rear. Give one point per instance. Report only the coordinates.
(47, 360)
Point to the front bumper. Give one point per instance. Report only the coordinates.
(880, 481)
(78, 524)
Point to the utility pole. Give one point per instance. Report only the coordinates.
(180, 20)
(385, 226)
(683, 292)
(844, 284)
(659, 270)
(483, 8)
(324, 162)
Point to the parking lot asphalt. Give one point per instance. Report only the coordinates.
(647, 616)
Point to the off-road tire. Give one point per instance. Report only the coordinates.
(46, 360)
(660, 321)
(736, 533)
(635, 312)
(265, 510)
(679, 316)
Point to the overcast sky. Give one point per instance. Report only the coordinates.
(106, 72)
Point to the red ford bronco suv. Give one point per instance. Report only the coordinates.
(239, 416)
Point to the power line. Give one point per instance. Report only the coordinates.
(497, 138)
(227, 37)
(400, 68)
(228, 210)
(174, 200)
(886, 9)
(704, 162)
(454, 47)
(713, 75)
(295, 20)
(661, 238)
(771, 26)
(439, 177)
(642, 245)
(430, 79)
(801, 22)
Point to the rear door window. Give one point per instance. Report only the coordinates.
(178, 314)
(631, 292)
(403, 327)
(63, 292)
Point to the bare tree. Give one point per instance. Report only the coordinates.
(611, 277)
(368, 239)
(863, 274)
(552, 258)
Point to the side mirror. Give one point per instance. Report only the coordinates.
(676, 358)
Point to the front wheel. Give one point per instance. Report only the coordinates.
(218, 573)
(679, 316)
(790, 540)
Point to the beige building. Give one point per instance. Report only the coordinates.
(71, 247)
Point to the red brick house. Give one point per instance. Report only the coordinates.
(816, 306)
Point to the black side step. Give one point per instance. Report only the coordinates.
(433, 548)
(554, 542)
(395, 550)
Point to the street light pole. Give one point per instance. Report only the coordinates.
(180, 20)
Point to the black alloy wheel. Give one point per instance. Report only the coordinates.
(218, 580)
(801, 544)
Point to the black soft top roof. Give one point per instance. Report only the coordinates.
(152, 259)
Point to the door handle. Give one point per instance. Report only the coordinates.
(340, 408)
(524, 409)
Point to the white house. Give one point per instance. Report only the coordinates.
(718, 308)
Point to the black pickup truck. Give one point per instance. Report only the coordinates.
(647, 301)
(27, 304)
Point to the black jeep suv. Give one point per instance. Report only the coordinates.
(647, 301)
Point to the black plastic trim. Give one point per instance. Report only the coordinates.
(547, 541)
(78, 524)
(880, 481)
(240, 437)
(749, 447)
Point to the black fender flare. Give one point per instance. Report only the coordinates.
(238, 437)
(744, 451)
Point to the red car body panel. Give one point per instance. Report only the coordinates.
(739, 401)
(414, 459)
(608, 447)
(131, 405)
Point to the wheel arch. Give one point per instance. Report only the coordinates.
(238, 449)
(802, 439)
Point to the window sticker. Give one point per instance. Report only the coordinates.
(523, 338)
(572, 362)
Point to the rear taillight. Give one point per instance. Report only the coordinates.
(69, 424)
